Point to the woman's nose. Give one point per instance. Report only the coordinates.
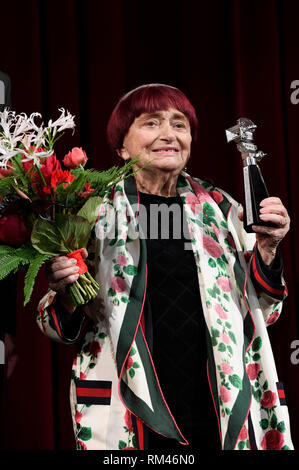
(167, 131)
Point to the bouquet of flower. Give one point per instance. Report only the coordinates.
(47, 209)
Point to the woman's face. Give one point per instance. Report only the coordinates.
(162, 138)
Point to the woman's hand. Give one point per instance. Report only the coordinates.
(268, 238)
(62, 271)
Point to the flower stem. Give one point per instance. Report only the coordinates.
(84, 289)
(41, 175)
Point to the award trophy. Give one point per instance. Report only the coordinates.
(254, 186)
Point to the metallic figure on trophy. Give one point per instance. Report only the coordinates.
(254, 186)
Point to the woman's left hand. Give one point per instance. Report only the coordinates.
(268, 238)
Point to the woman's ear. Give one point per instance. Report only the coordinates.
(122, 153)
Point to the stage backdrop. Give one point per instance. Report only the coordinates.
(232, 59)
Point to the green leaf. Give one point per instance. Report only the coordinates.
(232, 337)
(31, 274)
(266, 385)
(133, 351)
(84, 434)
(214, 236)
(12, 259)
(256, 357)
(281, 427)
(111, 292)
(264, 423)
(257, 395)
(224, 224)
(221, 263)
(208, 209)
(122, 445)
(131, 373)
(273, 421)
(214, 332)
(235, 381)
(67, 233)
(90, 210)
(221, 347)
(136, 365)
(241, 445)
(257, 344)
(130, 269)
(223, 257)
(211, 292)
(212, 263)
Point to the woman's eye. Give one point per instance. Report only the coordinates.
(151, 123)
(180, 125)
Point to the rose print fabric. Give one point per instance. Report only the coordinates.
(115, 360)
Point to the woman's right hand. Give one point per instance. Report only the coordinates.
(62, 271)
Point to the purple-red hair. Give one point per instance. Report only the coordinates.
(147, 99)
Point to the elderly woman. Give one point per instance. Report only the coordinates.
(175, 350)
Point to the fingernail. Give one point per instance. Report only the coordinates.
(73, 261)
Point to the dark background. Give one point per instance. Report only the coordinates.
(232, 58)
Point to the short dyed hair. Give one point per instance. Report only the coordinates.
(147, 99)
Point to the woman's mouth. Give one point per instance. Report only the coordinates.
(166, 151)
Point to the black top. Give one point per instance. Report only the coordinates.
(178, 328)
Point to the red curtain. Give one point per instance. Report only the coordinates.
(232, 58)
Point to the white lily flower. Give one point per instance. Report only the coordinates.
(32, 123)
(63, 122)
(7, 119)
(36, 156)
(6, 153)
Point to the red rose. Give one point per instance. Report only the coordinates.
(216, 196)
(76, 157)
(78, 416)
(221, 312)
(225, 394)
(81, 445)
(272, 440)
(13, 230)
(193, 202)
(243, 434)
(118, 284)
(273, 317)
(231, 241)
(211, 246)
(129, 362)
(253, 370)
(128, 421)
(268, 399)
(94, 348)
(224, 283)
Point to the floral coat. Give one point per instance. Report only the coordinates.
(115, 391)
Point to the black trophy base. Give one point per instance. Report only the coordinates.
(254, 191)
